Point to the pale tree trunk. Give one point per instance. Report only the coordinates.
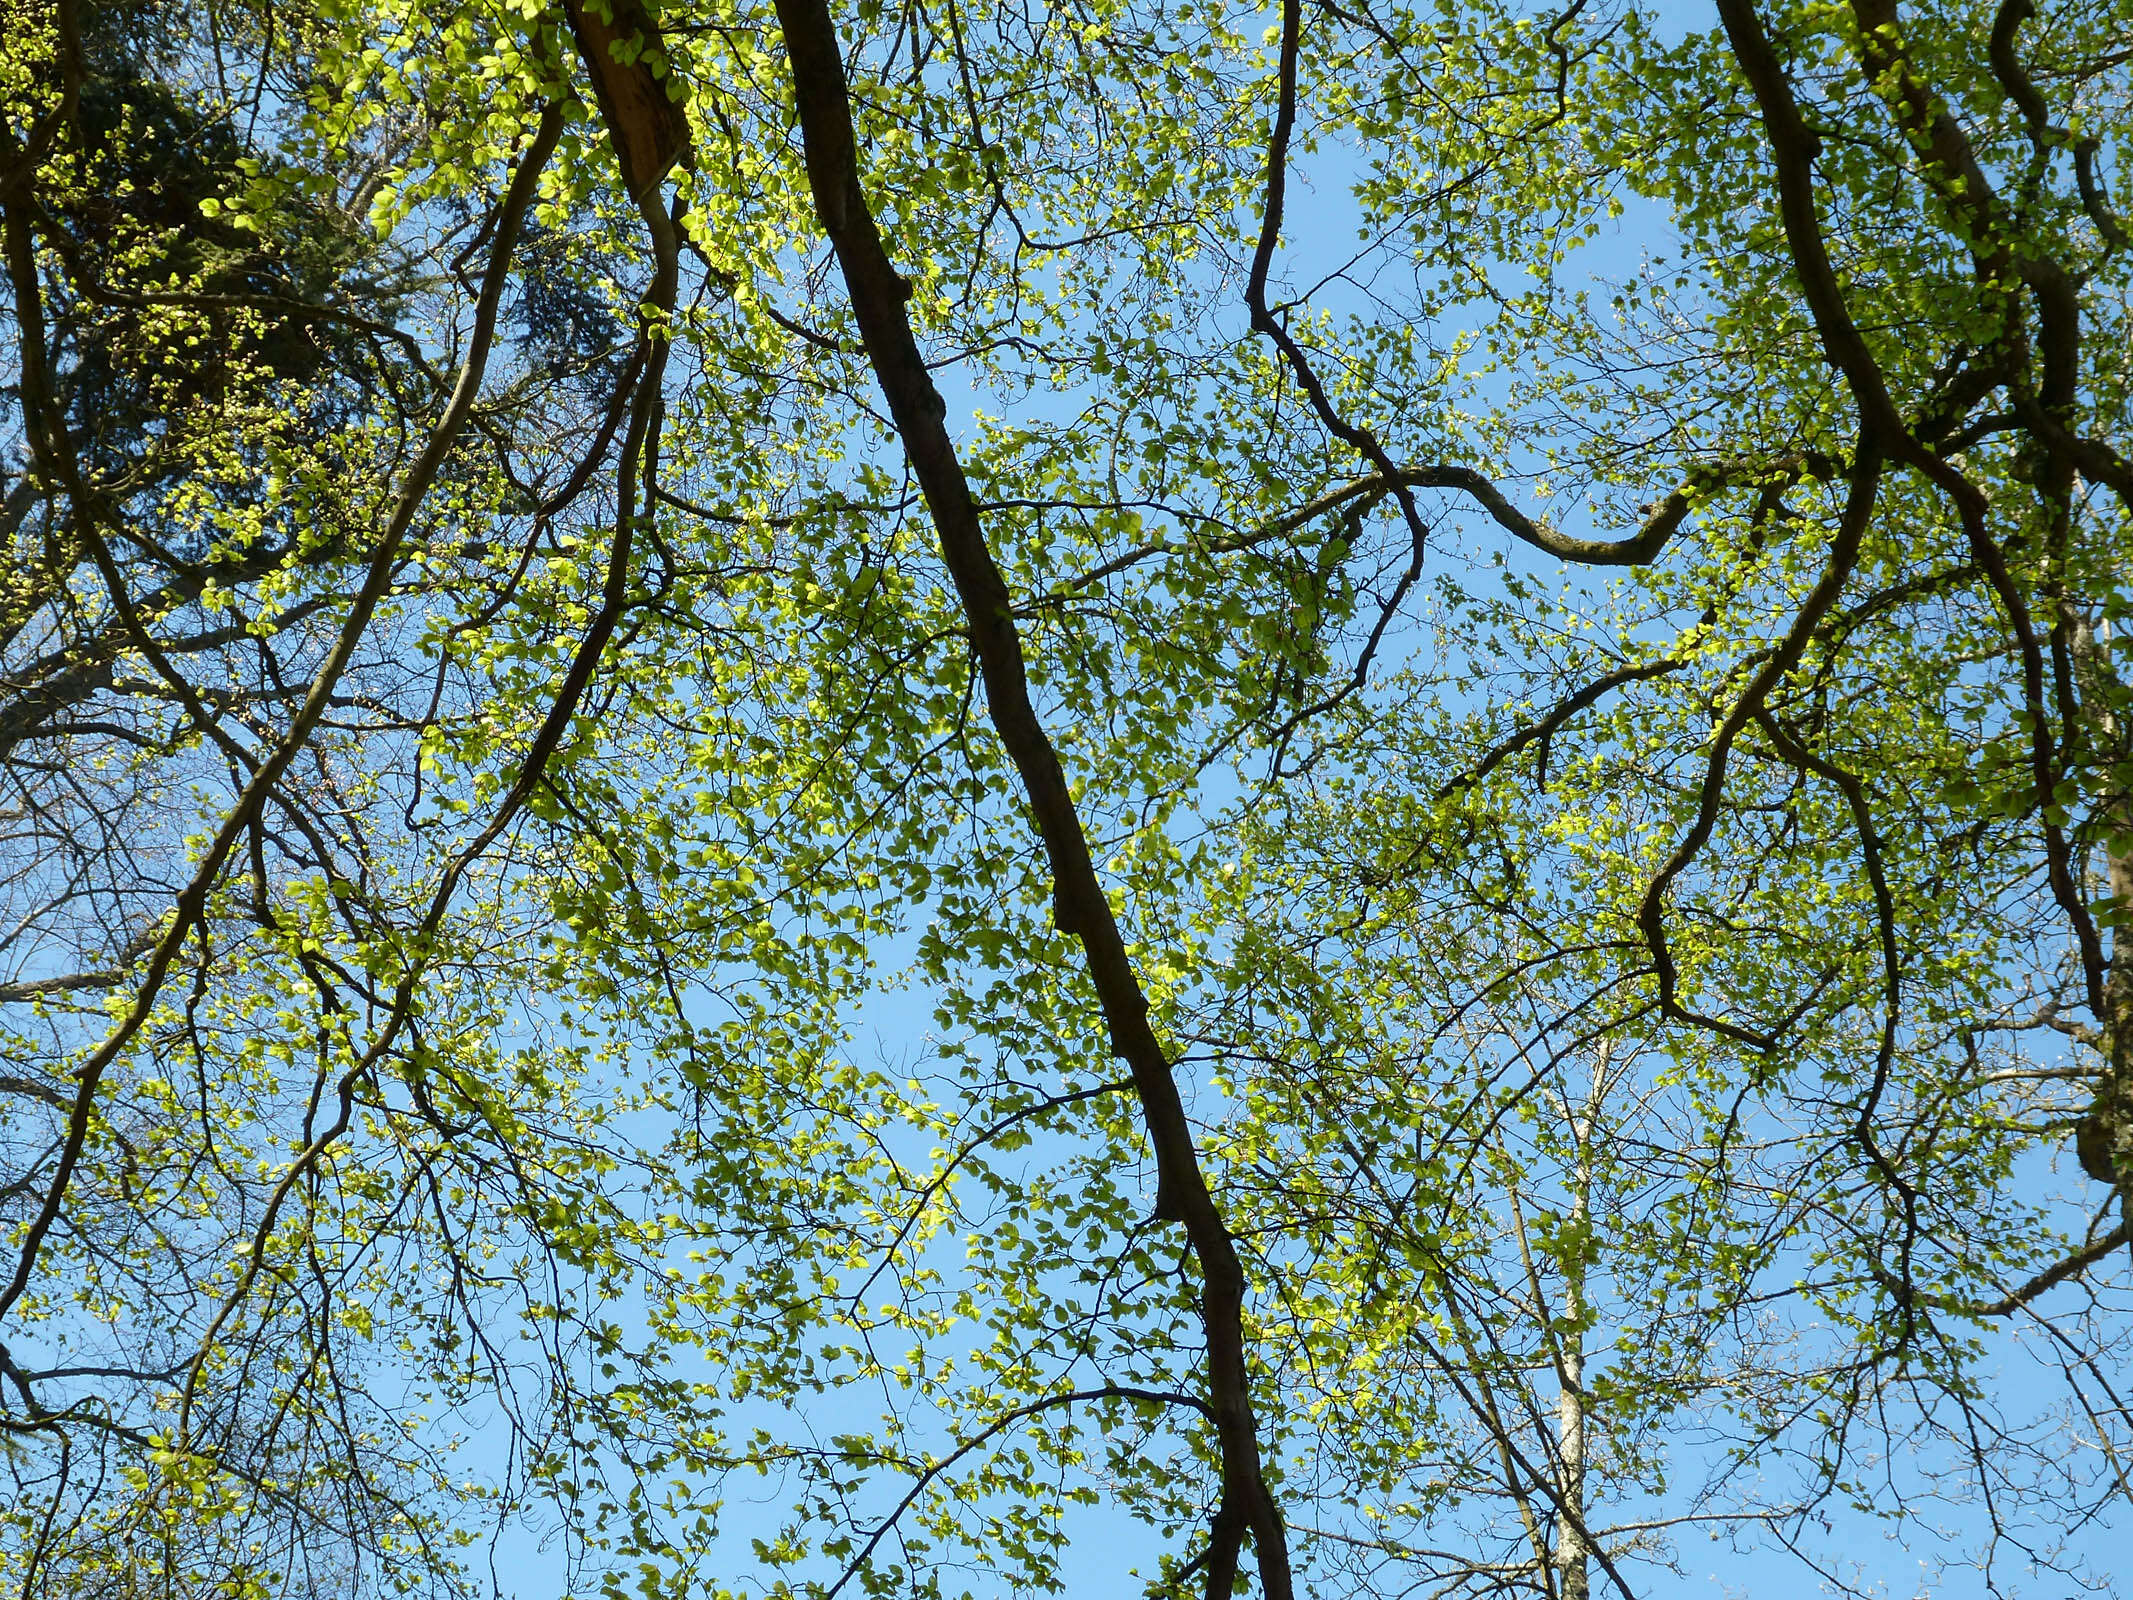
(2104, 1141)
(1573, 1556)
(1556, 1522)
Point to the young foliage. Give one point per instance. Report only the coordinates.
(826, 798)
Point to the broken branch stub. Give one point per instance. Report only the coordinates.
(631, 75)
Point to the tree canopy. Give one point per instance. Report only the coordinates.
(813, 800)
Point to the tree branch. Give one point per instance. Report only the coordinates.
(1079, 905)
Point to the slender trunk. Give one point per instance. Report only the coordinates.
(1079, 905)
(1572, 1555)
(2104, 1141)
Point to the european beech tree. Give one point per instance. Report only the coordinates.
(945, 798)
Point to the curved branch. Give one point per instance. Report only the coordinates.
(1651, 915)
(985, 1436)
(192, 901)
(2050, 1278)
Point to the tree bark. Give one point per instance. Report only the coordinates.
(1079, 905)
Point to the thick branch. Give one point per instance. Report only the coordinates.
(1080, 907)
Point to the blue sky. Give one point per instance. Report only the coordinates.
(1107, 1545)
